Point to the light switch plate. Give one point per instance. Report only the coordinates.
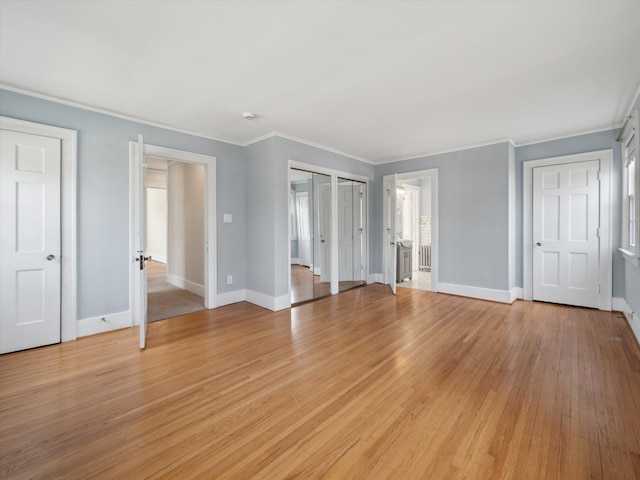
(228, 218)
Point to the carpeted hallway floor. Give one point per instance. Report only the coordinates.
(165, 300)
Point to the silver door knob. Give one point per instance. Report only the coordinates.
(51, 257)
(538, 244)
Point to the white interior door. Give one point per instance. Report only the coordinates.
(304, 229)
(566, 204)
(389, 220)
(30, 246)
(139, 257)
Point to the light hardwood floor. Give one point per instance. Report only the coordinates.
(361, 385)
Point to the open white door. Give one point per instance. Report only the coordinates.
(389, 219)
(139, 258)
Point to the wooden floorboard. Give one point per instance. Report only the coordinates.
(359, 385)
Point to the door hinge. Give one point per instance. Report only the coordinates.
(598, 288)
(599, 175)
(598, 232)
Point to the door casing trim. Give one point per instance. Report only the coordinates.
(605, 267)
(68, 272)
(431, 173)
(209, 163)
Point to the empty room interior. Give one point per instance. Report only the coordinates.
(357, 239)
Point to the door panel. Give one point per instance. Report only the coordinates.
(141, 242)
(324, 226)
(389, 219)
(345, 231)
(30, 244)
(566, 204)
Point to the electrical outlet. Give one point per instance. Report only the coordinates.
(229, 279)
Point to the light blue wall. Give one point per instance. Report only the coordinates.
(103, 197)
(267, 206)
(569, 146)
(473, 196)
(261, 178)
(476, 188)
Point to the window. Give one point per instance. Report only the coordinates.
(630, 240)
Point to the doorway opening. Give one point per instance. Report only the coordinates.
(174, 238)
(196, 254)
(410, 230)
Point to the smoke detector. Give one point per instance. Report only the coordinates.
(248, 115)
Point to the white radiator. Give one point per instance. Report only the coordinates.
(425, 258)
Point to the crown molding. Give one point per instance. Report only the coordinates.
(633, 100)
(450, 150)
(308, 143)
(575, 134)
(115, 114)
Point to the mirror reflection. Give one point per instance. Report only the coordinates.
(351, 233)
(310, 197)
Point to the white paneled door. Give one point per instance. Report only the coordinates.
(30, 243)
(566, 205)
(139, 257)
(389, 185)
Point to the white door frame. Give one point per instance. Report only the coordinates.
(605, 269)
(68, 285)
(209, 162)
(431, 173)
(334, 174)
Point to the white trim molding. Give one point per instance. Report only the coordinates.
(376, 278)
(606, 232)
(502, 296)
(104, 323)
(185, 284)
(633, 318)
(209, 162)
(267, 301)
(431, 173)
(68, 284)
(228, 298)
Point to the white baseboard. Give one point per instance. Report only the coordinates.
(158, 258)
(376, 278)
(228, 298)
(260, 299)
(186, 284)
(502, 296)
(295, 261)
(618, 304)
(267, 301)
(632, 317)
(516, 294)
(105, 323)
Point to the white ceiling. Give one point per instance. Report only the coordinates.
(376, 80)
